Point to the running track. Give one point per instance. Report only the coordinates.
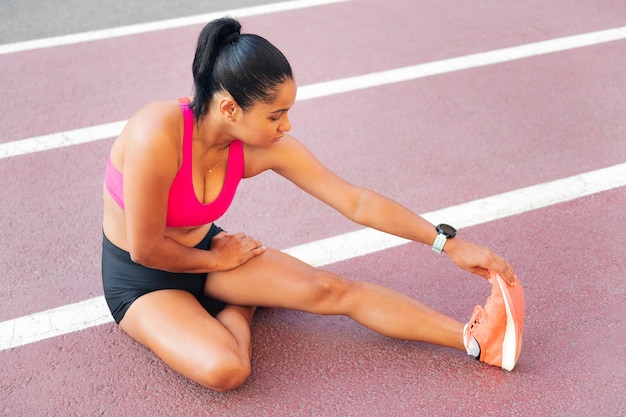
(461, 111)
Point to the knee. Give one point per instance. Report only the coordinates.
(330, 289)
(226, 373)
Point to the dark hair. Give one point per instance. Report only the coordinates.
(246, 66)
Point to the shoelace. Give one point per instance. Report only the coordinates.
(481, 316)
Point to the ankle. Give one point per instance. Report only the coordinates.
(471, 344)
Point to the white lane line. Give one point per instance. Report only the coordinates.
(365, 241)
(61, 139)
(160, 25)
(311, 91)
(461, 63)
(92, 312)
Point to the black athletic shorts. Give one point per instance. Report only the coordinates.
(124, 280)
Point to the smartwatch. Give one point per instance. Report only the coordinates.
(444, 232)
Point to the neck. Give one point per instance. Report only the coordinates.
(213, 134)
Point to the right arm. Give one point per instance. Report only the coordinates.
(151, 159)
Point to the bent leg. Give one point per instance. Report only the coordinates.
(215, 352)
(276, 279)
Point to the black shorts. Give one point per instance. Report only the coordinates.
(124, 280)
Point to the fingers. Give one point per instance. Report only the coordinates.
(249, 247)
(235, 249)
(505, 270)
(480, 260)
(482, 272)
(255, 252)
(249, 243)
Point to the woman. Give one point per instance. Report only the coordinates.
(187, 290)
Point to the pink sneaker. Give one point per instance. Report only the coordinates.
(498, 327)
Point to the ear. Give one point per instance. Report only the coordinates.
(228, 107)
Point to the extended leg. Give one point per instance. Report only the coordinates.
(275, 279)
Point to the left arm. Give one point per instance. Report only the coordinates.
(292, 160)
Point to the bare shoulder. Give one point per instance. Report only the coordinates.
(155, 128)
(162, 118)
(289, 151)
(292, 160)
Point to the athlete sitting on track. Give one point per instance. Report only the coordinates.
(187, 290)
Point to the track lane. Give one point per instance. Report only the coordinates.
(93, 311)
(527, 148)
(102, 371)
(113, 77)
(539, 119)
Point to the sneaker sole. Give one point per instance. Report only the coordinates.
(512, 338)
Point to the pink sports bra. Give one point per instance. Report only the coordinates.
(183, 207)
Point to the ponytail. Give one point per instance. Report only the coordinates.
(246, 66)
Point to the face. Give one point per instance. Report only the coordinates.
(266, 123)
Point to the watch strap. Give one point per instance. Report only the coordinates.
(440, 241)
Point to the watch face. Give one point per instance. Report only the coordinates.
(447, 230)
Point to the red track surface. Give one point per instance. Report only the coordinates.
(429, 143)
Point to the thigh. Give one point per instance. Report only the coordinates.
(175, 326)
(276, 279)
(124, 280)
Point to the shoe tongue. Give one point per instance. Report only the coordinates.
(494, 307)
(479, 314)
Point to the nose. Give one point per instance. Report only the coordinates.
(285, 123)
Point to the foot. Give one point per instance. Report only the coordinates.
(498, 326)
